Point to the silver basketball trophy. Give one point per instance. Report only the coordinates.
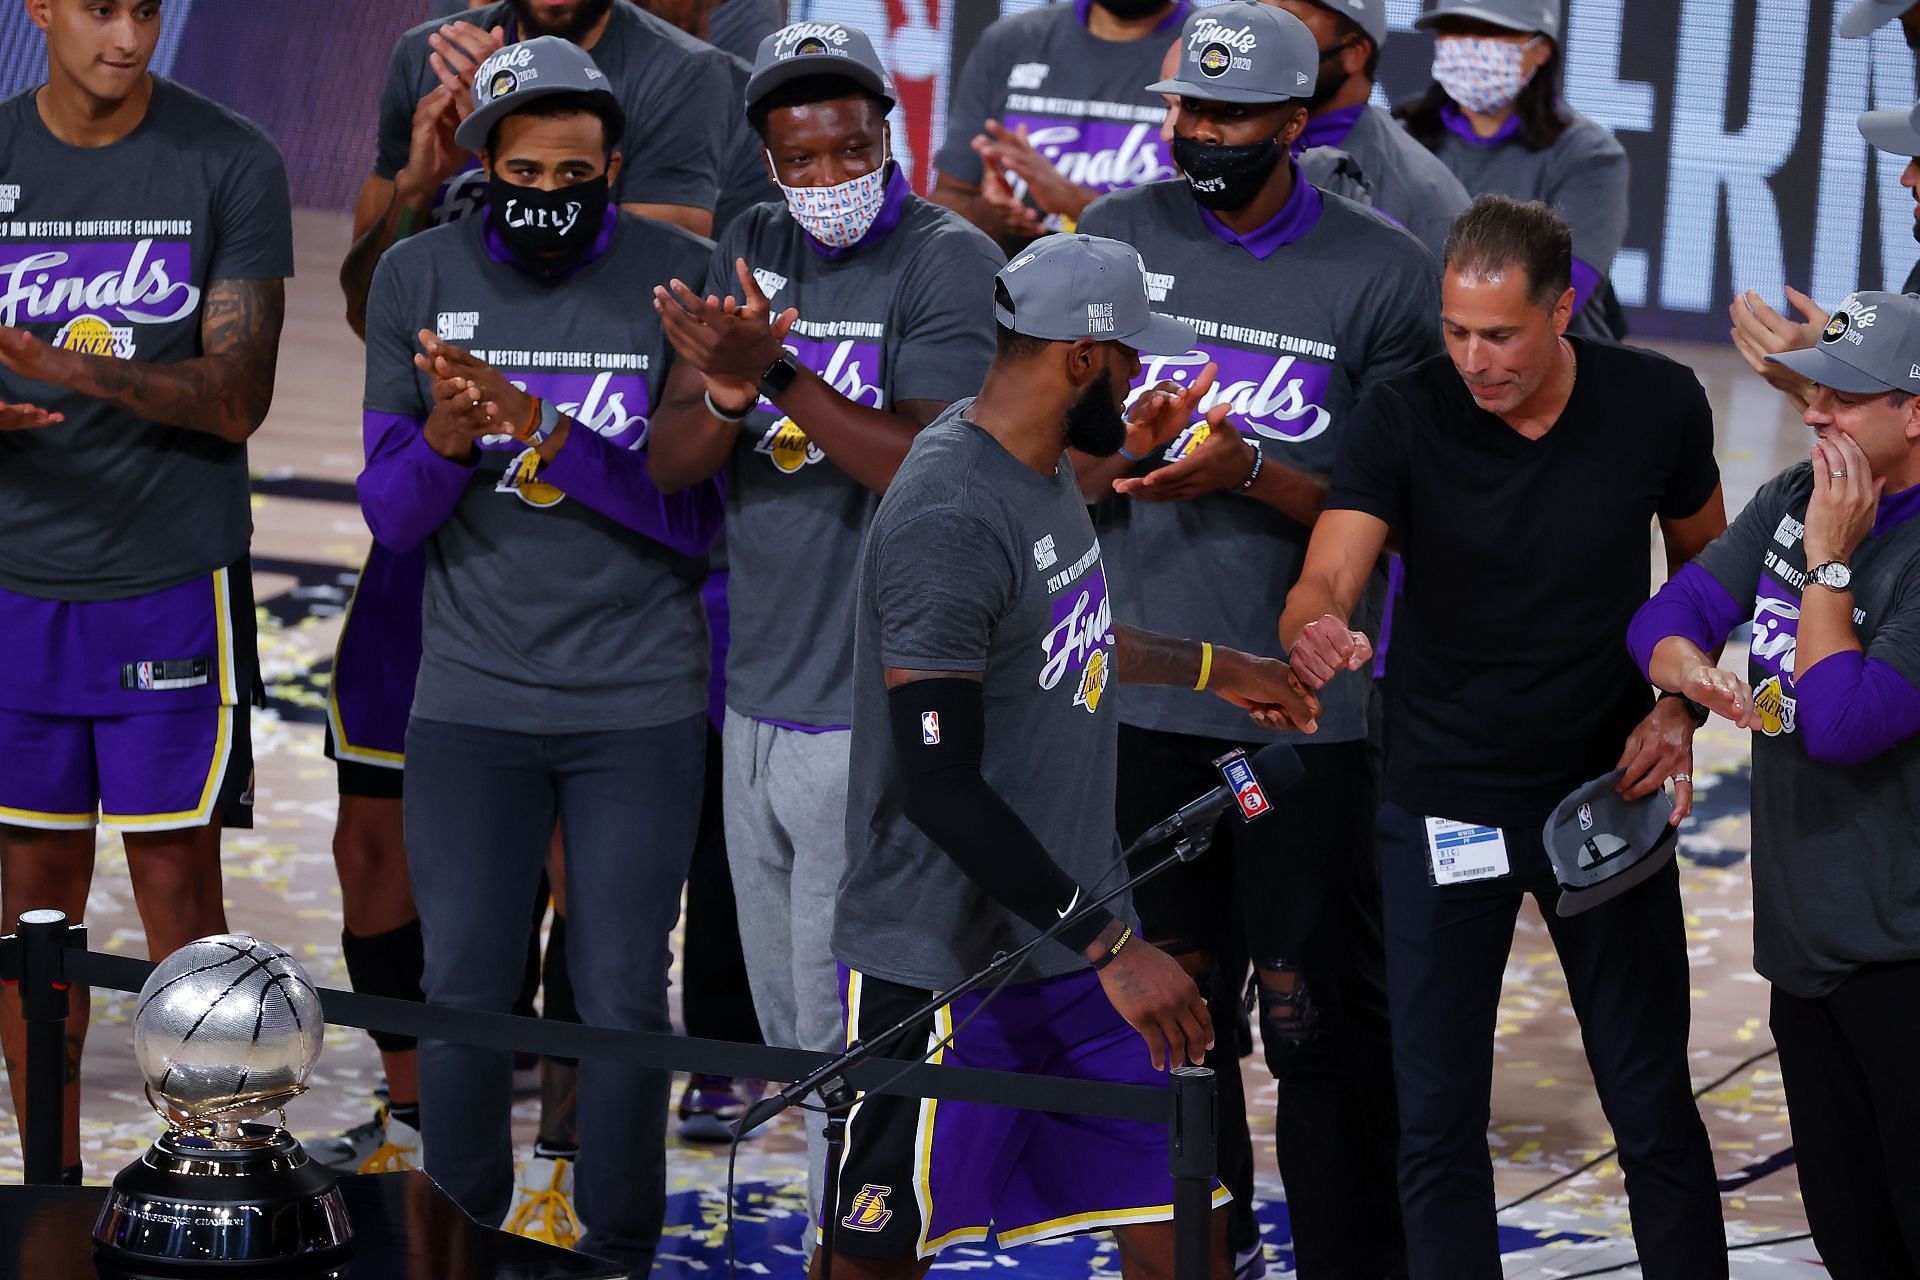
(226, 1030)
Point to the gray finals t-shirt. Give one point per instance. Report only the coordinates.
(1407, 182)
(679, 99)
(1583, 177)
(909, 317)
(976, 562)
(743, 180)
(1297, 337)
(541, 614)
(1083, 99)
(1836, 879)
(110, 250)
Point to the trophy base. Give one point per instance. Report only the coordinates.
(192, 1204)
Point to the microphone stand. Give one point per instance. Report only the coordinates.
(1188, 844)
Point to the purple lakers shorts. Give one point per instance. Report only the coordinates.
(920, 1174)
(133, 712)
(374, 668)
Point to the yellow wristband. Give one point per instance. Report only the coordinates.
(1206, 665)
(1068, 225)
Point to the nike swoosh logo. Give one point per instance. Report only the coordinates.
(1067, 910)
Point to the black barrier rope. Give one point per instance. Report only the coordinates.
(682, 1053)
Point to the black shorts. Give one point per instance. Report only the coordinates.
(369, 781)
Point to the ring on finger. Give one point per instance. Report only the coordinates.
(1681, 777)
(1838, 475)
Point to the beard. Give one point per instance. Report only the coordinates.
(1094, 423)
(533, 19)
(1128, 10)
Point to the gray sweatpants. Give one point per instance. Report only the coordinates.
(786, 806)
(480, 811)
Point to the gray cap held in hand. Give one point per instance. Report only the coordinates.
(1894, 131)
(1871, 345)
(1066, 287)
(525, 72)
(1601, 845)
(1244, 52)
(1869, 16)
(1542, 16)
(1369, 15)
(818, 49)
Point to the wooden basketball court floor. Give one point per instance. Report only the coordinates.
(1564, 1210)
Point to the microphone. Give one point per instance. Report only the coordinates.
(1247, 785)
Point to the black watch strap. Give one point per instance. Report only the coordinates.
(1699, 713)
(778, 377)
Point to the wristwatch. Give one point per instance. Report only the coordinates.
(1834, 575)
(1699, 713)
(778, 377)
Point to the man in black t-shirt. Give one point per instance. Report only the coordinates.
(1518, 476)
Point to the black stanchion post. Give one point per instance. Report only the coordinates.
(43, 1006)
(1191, 1155)
(839, 1100)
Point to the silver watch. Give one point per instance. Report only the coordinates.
(1834, 575)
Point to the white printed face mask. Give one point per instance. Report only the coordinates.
(1482, 74)
(838, 216)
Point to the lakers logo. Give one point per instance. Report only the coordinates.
(869, 1211)
(92, 336)
(1836, 327)
(812, 44)
(1778, 709)
(1093, 682)
(1215, 60)
(1187, 441)
(520, 479)
(789, 447)
(503, 83)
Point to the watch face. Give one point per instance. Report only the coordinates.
(1833, 575)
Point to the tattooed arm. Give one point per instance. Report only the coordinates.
(1264, 687)
(223, 392)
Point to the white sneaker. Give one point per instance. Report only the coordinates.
(543, 1203)
(399, 1149)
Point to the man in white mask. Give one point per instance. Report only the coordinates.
(879, 319)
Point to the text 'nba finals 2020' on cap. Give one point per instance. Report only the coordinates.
(1602, 845)
(1065, 287)
(1871, 345)
(1244, 52)
(1542, 16)
(520, 73)
(818, 49)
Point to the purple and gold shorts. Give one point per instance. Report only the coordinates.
(921, 1174)
(374, 669)
(133, 712)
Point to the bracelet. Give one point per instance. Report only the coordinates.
(525, 433)
(1130, 457)
(1206, 666)
(722, 414)
(1259, 461)
(549, 423)
(1126, 936)
(1699, 713)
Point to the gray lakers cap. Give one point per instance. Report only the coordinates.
(1871, 344)
(1601, 845)
(1067, 287)
(1895, 131)
(1542, 16)
(521, 73)
(1369, 15)
(1243, 51)
(818, 49)
(1869, 16)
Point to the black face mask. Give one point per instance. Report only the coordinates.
(1328, 84)
(549, 228)
(1223, 177)
(1131, 10)
(1094, 426)
(531, 22)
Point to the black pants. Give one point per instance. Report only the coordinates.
(1301, 883)
(715, 1003)
(1626, 967)
(1848, 1061)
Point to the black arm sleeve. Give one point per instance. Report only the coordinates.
(948, 798)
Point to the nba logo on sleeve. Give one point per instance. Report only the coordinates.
(1245, 785)
(930, 728)
(143, 675)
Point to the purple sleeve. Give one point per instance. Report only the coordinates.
(1693, 605)
(615, 482)
(1586, 279)
(1853, 707)
(407, 490)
